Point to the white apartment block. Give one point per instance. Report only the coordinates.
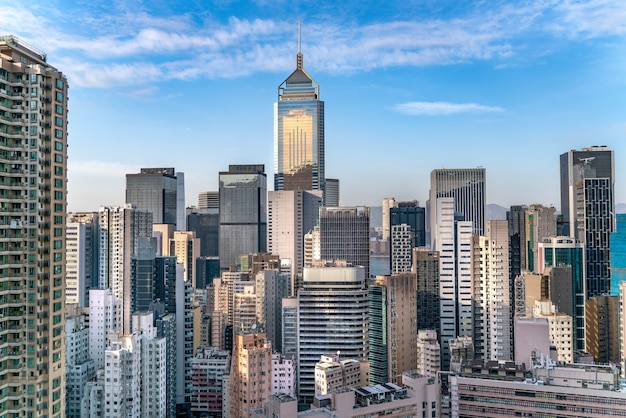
(283, 375)
(428, 353)
(75, 237)
(401, 248)
(454, 242)
(122, 373)
(561, 329)
(104, 317)
(492, 334)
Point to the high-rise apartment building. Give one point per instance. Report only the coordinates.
(105, 313)
(540, 224)
(209, 367)
(493, 325)
(588, 208)
(290, 215)
(466, 186)
(428, 353)
(81, 257)
(601, 334)
(299, 133)
(33, 136)
(344, 235)
(80, 368)
(121, 228)
(250, 375)
(332, 315)
(392, 332)
(243, 218)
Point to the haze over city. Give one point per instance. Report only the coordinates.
(408, 87)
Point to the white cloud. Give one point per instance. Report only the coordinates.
(443, 108)
(131, 47)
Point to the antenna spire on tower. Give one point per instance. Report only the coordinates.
(299, 55)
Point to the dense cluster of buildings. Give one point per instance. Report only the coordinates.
(261, 303)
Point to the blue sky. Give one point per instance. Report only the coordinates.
(408, 86)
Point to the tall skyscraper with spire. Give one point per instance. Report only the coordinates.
(299, 132)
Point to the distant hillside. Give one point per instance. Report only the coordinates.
(496, 212)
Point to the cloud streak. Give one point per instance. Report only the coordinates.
(443, 108)
(126, 48)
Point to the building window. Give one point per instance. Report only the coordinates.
(59, 84)
(58, 133)
(58, 121)
(59, 96)
(58, 146)
(59, 109)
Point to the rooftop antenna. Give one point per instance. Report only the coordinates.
(299, 55)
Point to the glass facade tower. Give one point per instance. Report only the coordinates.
(299, 133)
(588, 208)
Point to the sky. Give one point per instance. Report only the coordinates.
(409, 86)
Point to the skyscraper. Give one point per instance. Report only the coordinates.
(332, 315)
(291, 214)
(33, 129)
(299, 133)
(466, 186)
(154, 190)
(243, 204)
(588, 208)
(454, 238)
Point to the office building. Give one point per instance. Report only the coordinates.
(121, 228)
(291, 215)
(617, 241)
(332, 193)
(209, 200)
(250, 375)
(622, 327)
(344, 235)
(289, 326)
(392, 332)
(33, 102)
(243, 208)
(466, 187)
(426, 269)
(154, 190)
(540, 224)
(454, 238)
(413, 215)
(205, 222)
(299, 133)
(573, 390)
(334, 295)
(588, 208)
(388, 203)
(561, 252)
(516, 218)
